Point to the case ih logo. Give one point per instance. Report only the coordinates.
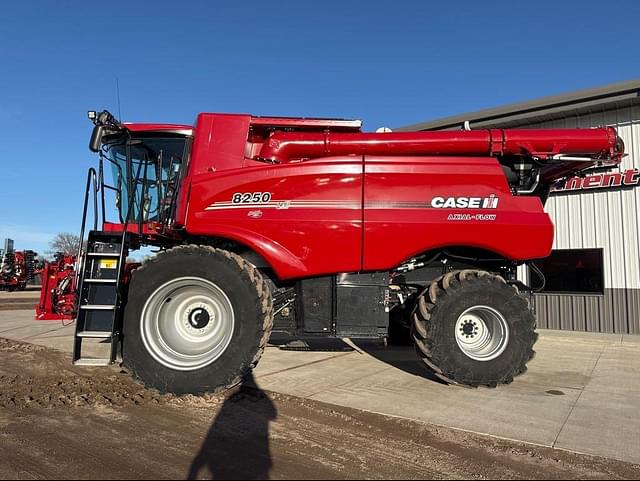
(490, 202)
(628, 178)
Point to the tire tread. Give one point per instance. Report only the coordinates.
(250, 275)
(425, 326)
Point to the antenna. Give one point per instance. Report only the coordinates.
(118, 94)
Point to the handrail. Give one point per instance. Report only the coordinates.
(80, 258)
(91, 176)
(102, 186)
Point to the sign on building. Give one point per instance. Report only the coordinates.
(609, 180)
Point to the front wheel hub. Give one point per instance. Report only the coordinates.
(199, 318)
(187, 323)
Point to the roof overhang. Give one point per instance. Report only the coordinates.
(548, 108)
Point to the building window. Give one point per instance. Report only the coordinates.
(573, 271)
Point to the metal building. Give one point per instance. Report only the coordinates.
(594, 271)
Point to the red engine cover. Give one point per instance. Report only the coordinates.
(345, 214)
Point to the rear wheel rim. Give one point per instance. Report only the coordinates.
(482, 333)
(187, 323)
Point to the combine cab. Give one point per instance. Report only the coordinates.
(312, 228)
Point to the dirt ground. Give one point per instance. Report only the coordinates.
(57, 421)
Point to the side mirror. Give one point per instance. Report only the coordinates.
(96, 138)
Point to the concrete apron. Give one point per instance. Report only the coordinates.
(582, 391)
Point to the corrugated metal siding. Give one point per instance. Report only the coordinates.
(601, 219)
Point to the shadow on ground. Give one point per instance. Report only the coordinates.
(237, 444)
(400, 354)
(403, 358)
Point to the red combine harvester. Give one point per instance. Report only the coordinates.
(312, 228)
(58, 292)
(17, 268)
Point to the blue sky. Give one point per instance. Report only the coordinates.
(387, 63)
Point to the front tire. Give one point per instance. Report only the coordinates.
(472, 328)
(197, 320)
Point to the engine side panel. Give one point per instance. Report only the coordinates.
(306, 218)
(416, 204)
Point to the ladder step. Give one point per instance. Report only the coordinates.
(95, 334)
(97, 307)
(101, 281)
(98, 320)
(92, 362)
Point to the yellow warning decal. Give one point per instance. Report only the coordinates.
(108, 264)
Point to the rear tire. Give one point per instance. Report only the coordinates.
(197, 320)
(472, 328)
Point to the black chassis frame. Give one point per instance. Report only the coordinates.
(361, 306)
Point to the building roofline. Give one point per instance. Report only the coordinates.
(536, 108)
